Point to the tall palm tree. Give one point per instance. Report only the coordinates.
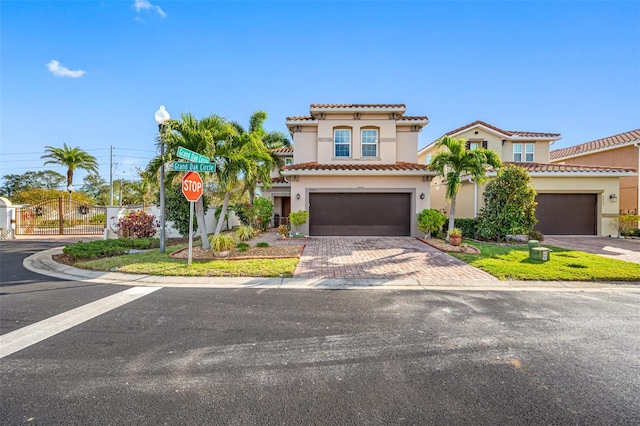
(457, 161)
(243, 154)
(271, 141)
(72, 159)
(200, 136)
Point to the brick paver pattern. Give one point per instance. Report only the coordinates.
(387, 258)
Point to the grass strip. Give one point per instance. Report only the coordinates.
(512, 263)
(153, 262)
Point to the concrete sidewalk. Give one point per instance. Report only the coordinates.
(43, 263)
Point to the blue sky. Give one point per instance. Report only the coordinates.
(92, 73)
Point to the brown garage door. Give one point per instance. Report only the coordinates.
(567, 214)
(379, 214)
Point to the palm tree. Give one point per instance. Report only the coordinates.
(271, 141)
(72, 159)
(200, 136)
(456, 161)
(242, 154)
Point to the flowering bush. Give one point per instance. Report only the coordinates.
(137, 225)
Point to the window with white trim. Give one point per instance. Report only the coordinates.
(288, 161)
(342, 142)
(369, 142)
(528, 152)
(529, 149)
(517, 152)
(473, 145)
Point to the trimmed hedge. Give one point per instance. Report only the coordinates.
(105, 248)
(469, 227)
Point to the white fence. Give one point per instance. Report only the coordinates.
(115, 213)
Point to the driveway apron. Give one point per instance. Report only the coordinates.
(384, 258)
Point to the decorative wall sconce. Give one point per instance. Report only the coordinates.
(613, 197)
(422, 196)
(298, 196)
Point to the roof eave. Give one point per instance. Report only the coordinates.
(358, 109)
(594, 151)
(359, 172)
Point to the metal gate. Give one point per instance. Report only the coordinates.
(61, 216)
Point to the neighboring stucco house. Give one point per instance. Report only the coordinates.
(621, 150)
(354, 169)
(572, 199)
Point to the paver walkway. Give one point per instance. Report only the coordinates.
(386, 258)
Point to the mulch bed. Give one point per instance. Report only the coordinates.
(253, 252)
(442, 245)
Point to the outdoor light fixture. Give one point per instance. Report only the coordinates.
(422, 196)
(297, 196)
(162, 116)
(613, 197)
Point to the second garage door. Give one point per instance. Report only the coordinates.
(370, 214)
(567, 214)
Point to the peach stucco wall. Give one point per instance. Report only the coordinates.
(627, 156)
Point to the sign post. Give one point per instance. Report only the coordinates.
(192, 190)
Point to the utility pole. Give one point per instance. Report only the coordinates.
(111, 177)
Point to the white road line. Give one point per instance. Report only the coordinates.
(34, 333)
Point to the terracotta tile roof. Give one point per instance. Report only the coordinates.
(598, 144)
(300, 118)
(284, 149)
(399, 166)
(512, 133)
(569, 168)
(339, 106)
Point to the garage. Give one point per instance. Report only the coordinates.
(360, 214)
(567, 214)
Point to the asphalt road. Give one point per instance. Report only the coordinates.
(223, 356)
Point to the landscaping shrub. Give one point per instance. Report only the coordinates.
(510, 207)
(245, 233)
(106, 248)
(298, 218)
(98, 219)
(536, 235)
(221, 242)
(242, 247)
(283, 230)
(263, 211)
(429, 220)
(245, 213)
(137, 225)
(469, 227)
(262, 244)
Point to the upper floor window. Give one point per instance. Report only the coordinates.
(471, 145)
(342, 142)
(288, 161)
(369, 142)
(528, 152)
(428, 159)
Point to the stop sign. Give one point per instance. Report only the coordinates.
(192, 186)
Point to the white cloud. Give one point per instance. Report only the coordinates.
(61, 71)
(140, 5)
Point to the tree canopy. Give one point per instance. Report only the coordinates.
(71, 158)
(453, 161)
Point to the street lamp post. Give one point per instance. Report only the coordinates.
(161, 117)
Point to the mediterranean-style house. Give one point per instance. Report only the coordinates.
(621, 150)
(354, 169)
(573, 199)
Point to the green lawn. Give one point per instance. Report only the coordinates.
(155, 263)
(513, 263)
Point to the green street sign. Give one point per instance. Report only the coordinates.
(192, 156)
(183, 166)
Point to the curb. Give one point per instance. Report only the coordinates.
(43, 263)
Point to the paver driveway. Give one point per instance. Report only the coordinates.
(615, 248)
(392, 258)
